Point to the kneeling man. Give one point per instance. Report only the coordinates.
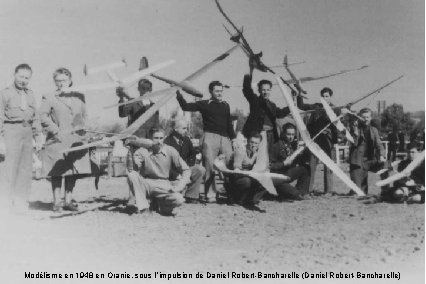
(150, 183)
(281, 163)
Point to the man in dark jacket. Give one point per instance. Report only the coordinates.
(179, 140)
(326, 140)
(295, 169)
(367, 152)
(263, 112)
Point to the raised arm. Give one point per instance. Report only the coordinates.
(187, 106)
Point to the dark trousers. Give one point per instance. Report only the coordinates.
(285, 189)
(392, 154)
(359, 175)
(244, 190)
(194, 187)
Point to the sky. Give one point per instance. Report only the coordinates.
(330, 35)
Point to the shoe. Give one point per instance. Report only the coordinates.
(131, 209)
(57, 208)
(70, 207)
(190, 200)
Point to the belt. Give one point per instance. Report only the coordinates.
(23, 122)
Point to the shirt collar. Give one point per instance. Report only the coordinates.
(215, 101)
(162, 151)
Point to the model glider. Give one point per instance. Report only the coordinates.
(349, 105)
(406, 172)
(239, 38)
(312, 146)
(333, 117)
(124, 82)
(168, 94)
(260, 171)
(183, 84)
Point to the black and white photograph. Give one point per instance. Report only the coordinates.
(212, 141)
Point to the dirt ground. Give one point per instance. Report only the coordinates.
(324, 234)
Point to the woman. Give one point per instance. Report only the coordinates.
(61, 114)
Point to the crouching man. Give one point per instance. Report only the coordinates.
(280, 162)
(245, 190)
(410, 189)
(149, 183)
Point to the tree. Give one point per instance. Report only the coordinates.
(394, 118)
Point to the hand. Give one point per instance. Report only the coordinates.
(382, 159)
(344, 111)
(121, 92)
(287, 162)
(131, 140)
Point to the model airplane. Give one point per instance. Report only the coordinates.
(260, 171)
(167, 95)
(116, 82)
(312, 146)
(333, 117)
(406, 172)
(350, 104)
(184, 84)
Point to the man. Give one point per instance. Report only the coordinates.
(401, 138)
(134, 110)
(280, 162)
(392, 146)
(19, 122)
(326, 140)
(179, 140)
(412, 188)
(263, 112)
(367, 152)
(150, 180)
(245, 190)
(218, 131)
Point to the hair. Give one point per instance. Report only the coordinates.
(256, 135)
(264, 82)
(326, 90)
(23, 66)
(287, 126)
(60, 71)
(154, 130)
(177, 120)
(214, 84)
(145, 83)
(412, 145)
(365, 110)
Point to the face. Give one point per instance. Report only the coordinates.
(412, 154)
(22, 78)
(158, 138)
(144, 88)
(265, 91)
(327, 97)
(290, 134)
(253, 144)
(367, 117)
(216, 93)
(62, 81)
(182, 128)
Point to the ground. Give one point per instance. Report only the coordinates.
(324, 234)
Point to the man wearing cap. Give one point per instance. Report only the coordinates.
(19, 123)
(218, 130)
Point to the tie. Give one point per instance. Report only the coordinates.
(24, 104)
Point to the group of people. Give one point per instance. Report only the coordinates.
(161, 170)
